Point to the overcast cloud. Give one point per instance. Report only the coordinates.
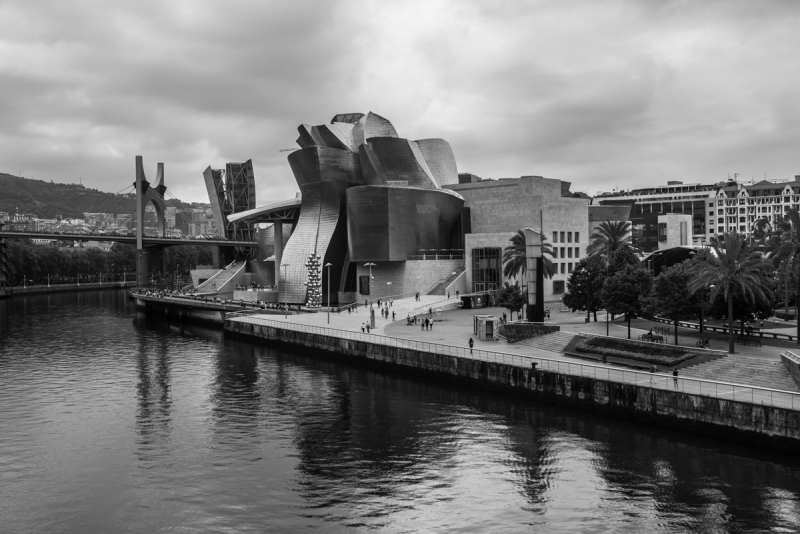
(599, 93)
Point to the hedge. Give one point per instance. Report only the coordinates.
(622, 348)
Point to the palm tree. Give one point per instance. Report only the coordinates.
(609, 236)
(514, 259)
(738, 272)
(783, 248)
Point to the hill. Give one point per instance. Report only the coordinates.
(48, 199)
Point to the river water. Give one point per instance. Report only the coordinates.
(112, 422)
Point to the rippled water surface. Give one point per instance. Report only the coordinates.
(111, 422)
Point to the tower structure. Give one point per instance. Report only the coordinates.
(232, 190)
(151, 259)
(3, 259)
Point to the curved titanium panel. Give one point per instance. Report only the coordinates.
(318, 164)
(440, 159)
(337, 135)
(370, 126)
(321, 229)
(391, 159)
(387, 223)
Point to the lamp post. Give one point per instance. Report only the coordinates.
(48, 279)
(388, 289)
(328, 265)
(286, 310)
(369, 282)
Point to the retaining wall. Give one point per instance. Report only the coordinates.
(792, 364)
(763, 426)
(60, 288)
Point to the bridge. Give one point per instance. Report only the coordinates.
(131, 239)
(149, 249)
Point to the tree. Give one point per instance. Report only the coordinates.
(609, 236)
(583, 287)
(783, 247)
(515, 257)
(622, 289)
(668, 297)
(738, 273)
(511, 297)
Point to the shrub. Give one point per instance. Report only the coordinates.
(622, 348)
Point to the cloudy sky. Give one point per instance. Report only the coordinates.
(600, 93)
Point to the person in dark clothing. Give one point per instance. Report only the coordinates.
(675, 377)
(471, 344)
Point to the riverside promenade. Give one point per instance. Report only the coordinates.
(764, 417)
(453, 328)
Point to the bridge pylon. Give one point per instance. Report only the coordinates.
(149, 260)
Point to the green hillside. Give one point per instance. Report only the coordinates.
(48, 199)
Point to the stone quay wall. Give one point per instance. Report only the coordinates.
(60, 288)
(754, 424)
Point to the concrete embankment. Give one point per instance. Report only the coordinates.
(755, 424)
(191, 310)
(61, 288)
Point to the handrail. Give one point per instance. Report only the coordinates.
(696, 386)
(422, 310)
(724, 329)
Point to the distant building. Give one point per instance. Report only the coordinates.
(498, 209)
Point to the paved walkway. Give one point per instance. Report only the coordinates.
(453, 328)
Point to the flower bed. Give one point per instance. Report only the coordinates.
(622, 348)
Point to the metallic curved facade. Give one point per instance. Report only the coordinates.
(372, 125)
(366, 193)
(387, 223)
(390, 159)
(317, 164)
(321, 229)
(441, 161)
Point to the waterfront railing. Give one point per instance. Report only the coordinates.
(695, 386)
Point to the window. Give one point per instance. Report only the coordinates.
(563, 266)
(486, 268)
(555, 237)
(569, 252)
(569, 267)
(569, 237)
(662, 232)
(710, 204)
(577, 252)
(558, 286)
(562, 237)
(710, 213)
(563, 253)
(363, 285)
(577, 237)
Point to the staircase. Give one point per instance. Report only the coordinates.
(441, 286)
(555, 342)
(218, 282)
(739, 369)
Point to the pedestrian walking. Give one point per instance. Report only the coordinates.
(448, 294)
(471, 344)
(367, 328)
(422, 325)
(362, 328)
(393, 316)
(675, 377)
(456, 293)
(652, 371)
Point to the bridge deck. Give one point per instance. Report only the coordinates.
(168, 241)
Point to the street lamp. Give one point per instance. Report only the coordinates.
(369, 282)
(286, 310)
(328, 265)
(388, 289)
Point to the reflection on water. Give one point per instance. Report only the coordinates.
(113, 422)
